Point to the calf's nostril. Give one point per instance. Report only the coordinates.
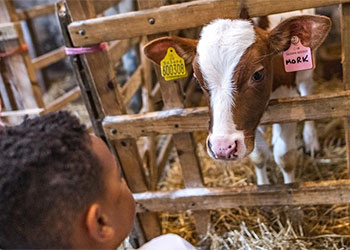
(235, 147)
(209, 144)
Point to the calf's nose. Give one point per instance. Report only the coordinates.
(223, 148)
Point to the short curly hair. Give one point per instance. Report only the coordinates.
(48, 177)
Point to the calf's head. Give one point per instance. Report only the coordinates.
(232, 63)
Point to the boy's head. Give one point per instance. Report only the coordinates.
(60, 187)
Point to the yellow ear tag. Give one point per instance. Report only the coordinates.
(172, 66)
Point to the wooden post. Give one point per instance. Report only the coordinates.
(9, 100)
(172, 94)
(149, 107)
(345, 39)
(104, 98)
(19, 71)
(43, 77)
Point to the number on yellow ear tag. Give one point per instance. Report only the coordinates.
(172, 66)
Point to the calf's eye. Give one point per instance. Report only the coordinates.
(258, 76)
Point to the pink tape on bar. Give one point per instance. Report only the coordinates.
(86, 50)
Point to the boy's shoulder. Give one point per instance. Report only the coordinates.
(167, 242)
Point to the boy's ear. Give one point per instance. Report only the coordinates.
(311, 30)
(157, 49)
(97, 224)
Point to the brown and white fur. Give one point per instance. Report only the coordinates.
(303, 80)
(238, 66)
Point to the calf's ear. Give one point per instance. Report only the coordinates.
(157, 49)
(311, 30)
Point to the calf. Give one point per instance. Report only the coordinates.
(239, 67)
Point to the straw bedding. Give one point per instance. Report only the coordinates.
(281, 227)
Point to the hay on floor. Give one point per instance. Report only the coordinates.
(278, 227)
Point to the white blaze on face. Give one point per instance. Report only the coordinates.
(220, 48)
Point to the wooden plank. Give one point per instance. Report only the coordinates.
(49, 58)
(149, 225)
(98, 65)
(296, 194)
(156, 94)
(132, 85)
(178, 16)
(186, 150)
(196, 119)
(81, 10)
(14, 70)
(164, 154)
(11, 11)
(102, 5)
(118, 48)
(30, 70)
(9, 102)
(95, 110)
(172, 94)
(190, 91)
(42, 75)
(36, 11)
(107, 98)
(62, 101)
(345, 38)
(10, 8)
(8, 31)
(148, 106)
(56, 105)
(20, 113)
(90, 99)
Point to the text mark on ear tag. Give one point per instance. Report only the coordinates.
(297, 57)
(172, 66)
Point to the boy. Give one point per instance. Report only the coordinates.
(61, 188)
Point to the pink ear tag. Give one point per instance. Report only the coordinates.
(297, 57)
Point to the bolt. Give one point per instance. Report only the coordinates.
(151, 20)
(81, 32)
(110, 85)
